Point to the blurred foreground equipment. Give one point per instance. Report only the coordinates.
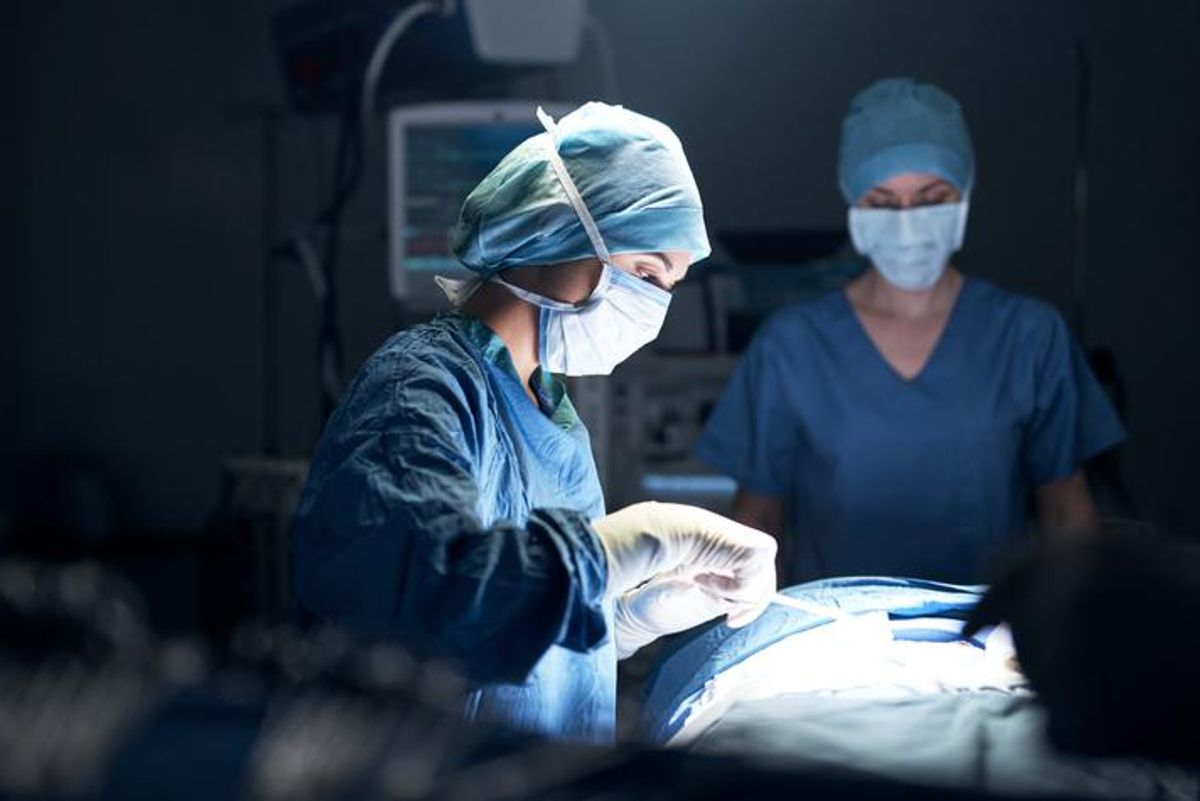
(91, 707)
(252, 529)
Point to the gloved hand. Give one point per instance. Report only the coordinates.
(664, 605)
(733, 562)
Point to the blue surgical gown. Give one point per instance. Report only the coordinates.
(445, 509)
(927, 477)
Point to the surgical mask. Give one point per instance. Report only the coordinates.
(622, 314)
(909, 247)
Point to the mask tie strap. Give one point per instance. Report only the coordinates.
(534, 298)
(568, 185)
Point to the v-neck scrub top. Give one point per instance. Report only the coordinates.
(925, 477)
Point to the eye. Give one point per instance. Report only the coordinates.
(651, 277)
(876, 199)
(649, 271)
(934, 199)
(937, 195)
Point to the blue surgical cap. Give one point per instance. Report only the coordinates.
(631, 173)
(898, 125)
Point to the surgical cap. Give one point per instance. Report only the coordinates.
(631, 173)
(898, 125)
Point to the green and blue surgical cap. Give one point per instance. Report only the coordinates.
(631, 173)
(898, 125)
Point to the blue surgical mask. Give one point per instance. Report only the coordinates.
(909, 247)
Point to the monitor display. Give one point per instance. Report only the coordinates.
(438, 153)
(444, 163)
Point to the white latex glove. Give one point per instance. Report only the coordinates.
(733, 562)
(665, 605)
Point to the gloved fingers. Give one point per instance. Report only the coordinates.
(744, 614)
(740, 590)
(683, 572)
(709, 604)
(749, 580)
(726, 542)
(747, 595)
(681, 599)
(647, 539)
(637, 545)
(664, 605)
(720, 584)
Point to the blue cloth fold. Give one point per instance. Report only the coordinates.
(694, 659)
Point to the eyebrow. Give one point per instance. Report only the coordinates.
(937, 183)
(666, 263)
(940, 183)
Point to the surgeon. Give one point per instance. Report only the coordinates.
(453, 502)
(901, 424)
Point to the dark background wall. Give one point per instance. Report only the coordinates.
(130, 303)
(9, 226)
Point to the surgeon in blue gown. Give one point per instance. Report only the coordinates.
(453, 502)
(906, 420)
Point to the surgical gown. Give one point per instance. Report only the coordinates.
(927, 477)
(446, 510)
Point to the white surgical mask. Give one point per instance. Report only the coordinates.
(622, 314)
(909, 247)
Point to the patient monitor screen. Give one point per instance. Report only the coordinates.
(441, 163)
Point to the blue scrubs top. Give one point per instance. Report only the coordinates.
(926, 477)
(445, 509)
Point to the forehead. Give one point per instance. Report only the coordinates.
(678, 259)
(672, 259)
(906, 182)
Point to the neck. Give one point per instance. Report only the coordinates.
(877, 293)
(514, 321)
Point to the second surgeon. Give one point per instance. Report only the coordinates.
(907, 419)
